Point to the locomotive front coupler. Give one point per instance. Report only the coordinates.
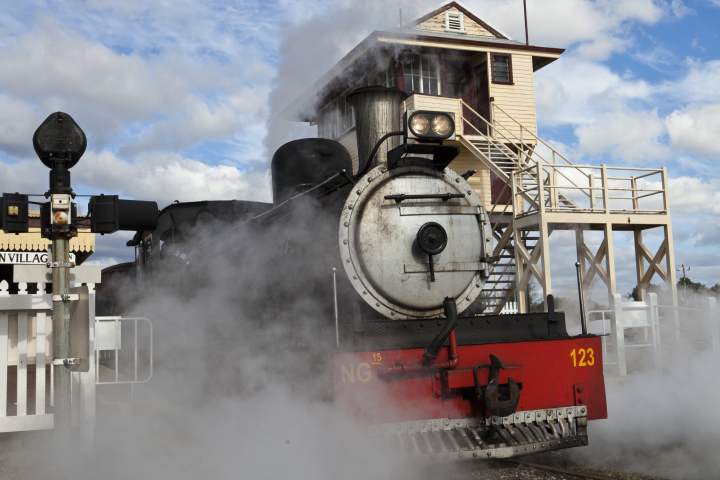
(494, 398)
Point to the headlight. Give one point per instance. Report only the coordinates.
(420, 125)
(425, 125)
(442, 125)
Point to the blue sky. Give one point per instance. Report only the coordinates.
(176, 97)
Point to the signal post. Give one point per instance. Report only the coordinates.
(59, 143)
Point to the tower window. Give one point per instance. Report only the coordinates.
(501, 66)
(454, 22)
(421, 74)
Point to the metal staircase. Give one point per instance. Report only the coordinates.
(517, 161)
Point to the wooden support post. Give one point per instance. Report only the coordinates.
(639, 266)
(541, 190)
(546, 280)
(619, 335)
(670, 255)
(671, 276)
(520, 285)
(633, 186)
(606, 194)
(610, 262)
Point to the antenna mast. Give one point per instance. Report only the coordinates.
(527, 39)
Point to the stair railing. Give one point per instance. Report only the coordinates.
(500, 135)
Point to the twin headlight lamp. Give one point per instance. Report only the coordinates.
(430, 126)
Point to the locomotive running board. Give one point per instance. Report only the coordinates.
(496, 437)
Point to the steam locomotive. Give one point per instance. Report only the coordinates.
(399, 327)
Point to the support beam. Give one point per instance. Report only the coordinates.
(639, 266)
(546, 281)
(611, 281)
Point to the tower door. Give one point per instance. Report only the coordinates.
(467, 78)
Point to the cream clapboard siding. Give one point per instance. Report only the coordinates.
(480, 182)
(349, 141)
(518, 99)
(437, 24)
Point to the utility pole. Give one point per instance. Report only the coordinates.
(684, 280)
(683, 268)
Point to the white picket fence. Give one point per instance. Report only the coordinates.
(26, 365)
(25, 354)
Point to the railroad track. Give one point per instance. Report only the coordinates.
(575, 473)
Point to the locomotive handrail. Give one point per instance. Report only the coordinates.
(399, 197)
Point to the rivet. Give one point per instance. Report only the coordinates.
(347, 224)
(377, 304)
(469, 192)
(457, 180)
(358, 192)
(349, 207)
(370, 179)
(344, 242)
(347, 261)
(364, 292)
(354, 277)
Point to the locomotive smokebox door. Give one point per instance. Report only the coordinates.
(412, 236)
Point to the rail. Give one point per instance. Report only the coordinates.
(541, 188)
(498, 137)
(523, 129)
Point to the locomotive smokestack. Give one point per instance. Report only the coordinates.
(377, 112)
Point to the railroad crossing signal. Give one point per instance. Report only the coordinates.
(59, 143)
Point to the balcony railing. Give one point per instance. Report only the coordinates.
(595, 189)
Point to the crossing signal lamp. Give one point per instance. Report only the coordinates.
(14, 216)
(59, 143)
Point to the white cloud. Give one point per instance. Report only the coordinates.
(17, 122)
(176, 100)
(679, 9)
(700, 84)
(577, 91)
(166, 177)
(696, 129)
(658, 58)
(631, 136)
(599, 27)
(692, 195)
